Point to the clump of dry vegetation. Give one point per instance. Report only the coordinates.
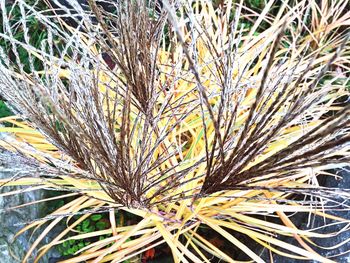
(179, 114)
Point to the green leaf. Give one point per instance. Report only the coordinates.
(95, 217)
(86, 223)
(101, 225)
(4, 110)
(75, 248)
(91, 229)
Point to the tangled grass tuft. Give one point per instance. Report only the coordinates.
(181, 115)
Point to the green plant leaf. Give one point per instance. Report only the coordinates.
(90, 229)
(101, 225)
(75, 248)
(95, 217)
(4, 110)
(86, 223)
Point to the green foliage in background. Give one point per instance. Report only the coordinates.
(35, 30)
(4, 110)
(93, 223)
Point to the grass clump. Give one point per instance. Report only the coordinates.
(185, 119)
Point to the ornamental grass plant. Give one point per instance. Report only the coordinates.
(180, 114)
